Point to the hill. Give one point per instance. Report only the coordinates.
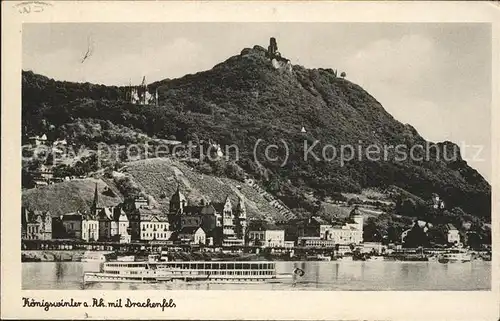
(160, 178)
(71, 196)
(247, 98)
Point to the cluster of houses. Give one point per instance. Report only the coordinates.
(452, 233)
(208, 223)
(316, 232)
(44, 174)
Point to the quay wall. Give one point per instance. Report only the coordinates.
(76, 255)
(51, 256)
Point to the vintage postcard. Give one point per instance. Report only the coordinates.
(250, 160)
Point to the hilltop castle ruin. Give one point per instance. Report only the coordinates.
(276, 59)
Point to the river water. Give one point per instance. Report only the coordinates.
(344, 275)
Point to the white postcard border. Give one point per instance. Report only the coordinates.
(192, 304)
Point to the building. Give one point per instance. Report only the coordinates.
(80, 226)
(233, 232)
(114, 225)
(143, 222)
(139, 95)
(60, 142)
(192, 235)
(36, 225)
(154, 227)
(141, 201)
(314, 241)
(344, 234)
(240, 220)
(90, 228)
(266, 238)
(138, 208)
(453, 235)
(372, 247)
(72, 224)
(343, 249)
(176, 209)
(314, 228)
(351, 232)
(437, 202)
(224, 224)
(108, 227)
(123, 227)
(111, 221)
(38, 140)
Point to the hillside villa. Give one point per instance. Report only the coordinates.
(36, 225)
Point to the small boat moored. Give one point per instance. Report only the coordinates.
(129, 258)
(322, 257)
(375, 258)
(345, 258)
(455, 255)
(96, 256)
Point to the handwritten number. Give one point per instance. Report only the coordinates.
(28, 7)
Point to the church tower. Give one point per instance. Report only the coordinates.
(228, 219)
(96, 203)
(241, 218)
(357, 217)
(177, 202)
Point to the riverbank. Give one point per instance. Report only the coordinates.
(51, 256)
(75, 256)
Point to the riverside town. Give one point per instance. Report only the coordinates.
(195, 222)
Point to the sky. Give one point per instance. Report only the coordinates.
(435, 77)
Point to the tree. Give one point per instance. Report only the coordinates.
(320, 194)
(62, 170)
(438, 235)
(27, 179)
(393, 234)
(474, 240)
(416, 237)
(343, 74)
(371, 232)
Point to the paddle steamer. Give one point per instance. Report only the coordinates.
(214, 272)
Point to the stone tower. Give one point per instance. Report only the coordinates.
(241, 219)
(228, 219)
(177, 202)
(273, 47)
(96, 203)
(357, 217)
